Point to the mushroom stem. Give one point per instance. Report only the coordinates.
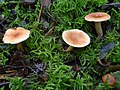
(70, 48)
(20, 47)
(98, 29)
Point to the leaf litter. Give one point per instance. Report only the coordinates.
(18, 66)
(104, 51)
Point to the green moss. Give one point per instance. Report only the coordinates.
(68, 14)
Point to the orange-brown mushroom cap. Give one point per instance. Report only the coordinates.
(16, 35)
(76, 38)
(108, 77)
(97, 17)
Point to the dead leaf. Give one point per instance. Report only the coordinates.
(46, 3)
(11, 71)
(105, 50)
(111, 5)
(29, 1)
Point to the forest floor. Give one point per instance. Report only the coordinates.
(43, 63)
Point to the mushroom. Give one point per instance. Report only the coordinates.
(75, 38)
(109, 78)
(98, 17)
(16, 36)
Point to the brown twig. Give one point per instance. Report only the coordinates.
(99, 61)
(50, 31)
(114, 67)
(3, 84)
(40, 12)
(2, 76)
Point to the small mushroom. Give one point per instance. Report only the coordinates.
(109, 78)
(98, 17)
(75, 38)
(16, 36)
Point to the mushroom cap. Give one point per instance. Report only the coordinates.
(97, 17)
(16, 35)
(76, 38)
(108, 77)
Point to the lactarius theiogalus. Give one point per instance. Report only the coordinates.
(16, 36)
(98, 17)
(75, 38)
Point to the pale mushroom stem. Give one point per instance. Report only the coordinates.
(70, 48)
(20, 47)
(98, 29)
